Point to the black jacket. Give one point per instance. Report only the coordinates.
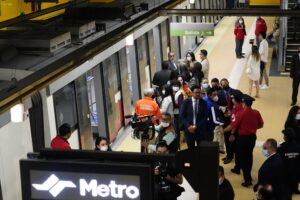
(272, 173)
(290, 154)
(296, 127)
(226, 191)
(186, 115)
(295, 67)
(161, 78)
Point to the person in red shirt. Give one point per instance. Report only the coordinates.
(261, 26)
(61, 140)
(240, 33)
(246, 124)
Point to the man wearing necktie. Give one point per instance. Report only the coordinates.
(193, 115)
(173, 65)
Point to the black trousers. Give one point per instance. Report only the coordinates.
(191, 138)
(230, 146)
(245, 146)
(296, 82)
(177, 125)
(239, 47)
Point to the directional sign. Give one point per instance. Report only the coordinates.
(192, 29)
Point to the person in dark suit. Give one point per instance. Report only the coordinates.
(225, 189)
(293, 122)
(272, 171)
(295, 75)
(193, 115)
(162, 77)
(289, 151)
(172, 64)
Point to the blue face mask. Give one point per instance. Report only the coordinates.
(205, 85)
(265, 152)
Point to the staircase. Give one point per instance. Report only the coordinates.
(292, 44)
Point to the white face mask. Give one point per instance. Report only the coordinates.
(297, 117)
(189, 58)
(215, 99)
(163, 92)
(165, 124)
(220, 181)
(241, 21)
(175, 88)
(104, 148)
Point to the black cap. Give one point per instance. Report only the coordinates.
(248, 98)
(237, 94)
(289, 133)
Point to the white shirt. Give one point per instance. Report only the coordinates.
(167, 106)
(195, 107)
(205, 67)
(264, 50)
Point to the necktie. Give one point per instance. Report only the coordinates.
(195, 109)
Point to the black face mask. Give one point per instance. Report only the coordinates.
(226, 88)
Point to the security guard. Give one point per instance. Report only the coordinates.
(289, 151)
(147, 106)
(246, 124)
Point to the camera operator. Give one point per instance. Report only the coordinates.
(147, 106)
(166, 132)
(167, 177)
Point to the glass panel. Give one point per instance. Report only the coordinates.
(84, 113)
(90, 75)
(164, 40)
(65, 106)
(113, 98)
(152, 53)
(126, 94)
(143, 62)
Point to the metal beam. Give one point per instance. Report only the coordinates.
(42, 78)
(236, 12)
(33, 15)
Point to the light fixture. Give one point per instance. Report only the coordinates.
(192, 1)
(129, 40)
(17, 113)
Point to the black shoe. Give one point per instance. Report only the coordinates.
(247, 184)
(235, 171)
(242, 56)
(223, 159)
(228, 160)
(296, 192)
(293, 103)
(221, 152)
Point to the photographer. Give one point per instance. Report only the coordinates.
(167, 177)
(166, 133)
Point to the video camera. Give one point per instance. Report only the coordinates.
(141, 125)
(163, 172)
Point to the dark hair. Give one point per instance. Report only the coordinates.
(191, 54)
(170, 53)
(175, 83)
(291, 122)
(197, 71)
(265, 194)
(64, 129)
(273, 143)
(162, 144)
(263, 34)
(165, 65)
(289, 134)
(221, 170)
(169, 92)
(215, 80)
(255, 52)
(248, 103)
(224, 79)
(195, 87)
(99, 139)
(166, 114)
(204, 52)
(209, 91)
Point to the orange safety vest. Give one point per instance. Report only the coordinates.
(147, 106)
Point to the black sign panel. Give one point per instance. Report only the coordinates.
(43, 180)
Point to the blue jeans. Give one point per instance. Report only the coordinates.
(238, 47)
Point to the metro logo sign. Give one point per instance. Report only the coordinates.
(112, 190)
(87, 188)
(54, 185)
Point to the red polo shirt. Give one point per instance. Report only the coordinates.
(239, 32)
(261, 26)
(237, 109)
(60, 143)
(248, 122)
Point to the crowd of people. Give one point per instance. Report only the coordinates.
(184, 101)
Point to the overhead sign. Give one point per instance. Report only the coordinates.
(192, 29)
(45, 180)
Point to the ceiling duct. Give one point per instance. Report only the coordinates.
(101, 11)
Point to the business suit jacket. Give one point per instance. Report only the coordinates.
(161, 78)
(186, 115)
(171, 66)
(295, 67)
(272, 172)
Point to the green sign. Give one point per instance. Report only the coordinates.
(192, 29)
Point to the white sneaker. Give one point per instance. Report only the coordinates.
(264, 87)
